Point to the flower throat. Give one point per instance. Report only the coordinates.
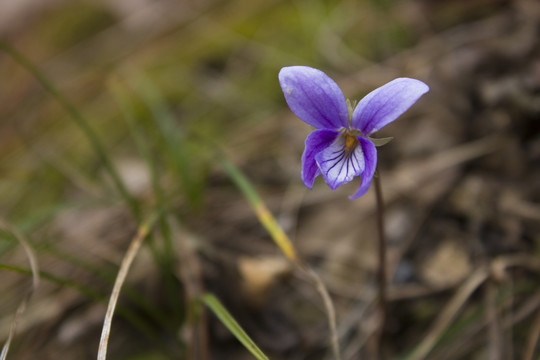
(350, 141)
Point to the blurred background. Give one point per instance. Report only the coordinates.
(110, 109)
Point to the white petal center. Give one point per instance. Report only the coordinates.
(341, 161)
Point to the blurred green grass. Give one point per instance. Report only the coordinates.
(214, 71)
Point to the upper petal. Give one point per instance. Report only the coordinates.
(314, 97)
(339, 166)
(317, 141)
(385, 104)
(370, 158)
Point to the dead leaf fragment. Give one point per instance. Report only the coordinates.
(259, 274)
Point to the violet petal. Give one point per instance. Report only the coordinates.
(339, 166)
(385, 104)
(370, 158)
(314, 97)
(316, 141)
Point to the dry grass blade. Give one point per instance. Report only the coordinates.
(286, 246)
(469, 339)
(142, 232)
(329, 307)
(449, 312)
(259, 207)
(35, 283)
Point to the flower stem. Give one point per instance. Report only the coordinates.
(382, 274)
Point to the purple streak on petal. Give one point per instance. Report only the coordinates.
(339, 166)
(370, 158)
(385, 104)
(314, 97)
(317, 141)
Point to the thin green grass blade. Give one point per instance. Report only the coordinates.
(226, 318)
(36, 217)
(166, 258)
(79, 120)
(106, 275)
(127, 314)
(141, 141)
(175, 143)
(35, 283)
(263, 214)
(39, 216)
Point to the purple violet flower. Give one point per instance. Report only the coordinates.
(340, 147)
